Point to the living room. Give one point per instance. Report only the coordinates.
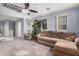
(53, 27)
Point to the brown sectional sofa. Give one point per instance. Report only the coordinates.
(52, 37)
(63, 43)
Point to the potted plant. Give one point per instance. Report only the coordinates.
(36, 28)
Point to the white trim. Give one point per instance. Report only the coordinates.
(19, 29)
(1, 29)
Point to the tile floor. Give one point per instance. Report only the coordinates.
(19, 47)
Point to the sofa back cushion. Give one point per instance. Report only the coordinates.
(56, 34)
(46, 33)
(59, 35)
(43, 34)
(70, 36)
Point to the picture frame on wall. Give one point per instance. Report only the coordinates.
(44, 24)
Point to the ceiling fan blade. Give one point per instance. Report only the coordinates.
(33, 11)
(26, 5)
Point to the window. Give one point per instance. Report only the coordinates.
(44, 24)
(62, 23)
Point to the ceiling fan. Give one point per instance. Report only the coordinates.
(27, 7)
(19, 9)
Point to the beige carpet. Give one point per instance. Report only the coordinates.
(20, 47)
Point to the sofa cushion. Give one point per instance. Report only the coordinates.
(67, 47)
(66, 41)
(49, 39)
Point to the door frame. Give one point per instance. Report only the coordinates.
(1, 29)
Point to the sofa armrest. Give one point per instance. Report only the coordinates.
(38, 35)
(76, 40)
(71, 38)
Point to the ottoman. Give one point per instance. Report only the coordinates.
(65, 48)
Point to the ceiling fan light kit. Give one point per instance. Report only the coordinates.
(25, 11)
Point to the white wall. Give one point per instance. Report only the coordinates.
(50, 21)
(6, 29)
(72, 22)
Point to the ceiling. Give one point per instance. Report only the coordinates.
(10, 18)
(41, 7)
